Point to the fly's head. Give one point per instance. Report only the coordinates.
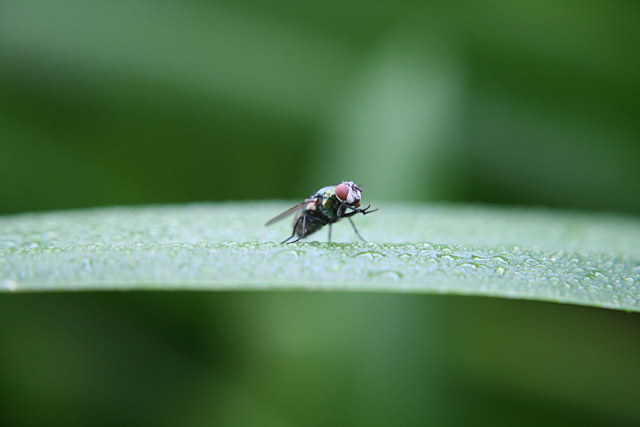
(349, 193)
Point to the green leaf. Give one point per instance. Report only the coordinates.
(567, 257)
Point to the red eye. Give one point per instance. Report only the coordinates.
(342, 191)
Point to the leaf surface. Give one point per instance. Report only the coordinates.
(526, 253)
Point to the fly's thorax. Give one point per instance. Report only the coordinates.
(330, 208)
(328, 202)
(326, 198)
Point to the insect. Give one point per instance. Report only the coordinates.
(328, 205)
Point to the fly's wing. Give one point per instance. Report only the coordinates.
(289, 211)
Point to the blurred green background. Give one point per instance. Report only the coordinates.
(510, 102)
(164, 102)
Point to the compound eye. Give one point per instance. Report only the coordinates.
(342, 192)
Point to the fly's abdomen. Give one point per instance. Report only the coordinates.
(308, 222)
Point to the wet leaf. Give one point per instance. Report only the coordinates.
(537, 254)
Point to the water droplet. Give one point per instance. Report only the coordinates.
(446, 259)
(578, 271)
(369, 255)
(498, 259)
(530, 262)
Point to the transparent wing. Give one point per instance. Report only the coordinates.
(289, 211)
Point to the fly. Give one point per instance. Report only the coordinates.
(328, 205)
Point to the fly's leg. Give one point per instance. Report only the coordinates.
(329, 238)
(356, 230)
(294, 231)
(304, 229)
(356, 211)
